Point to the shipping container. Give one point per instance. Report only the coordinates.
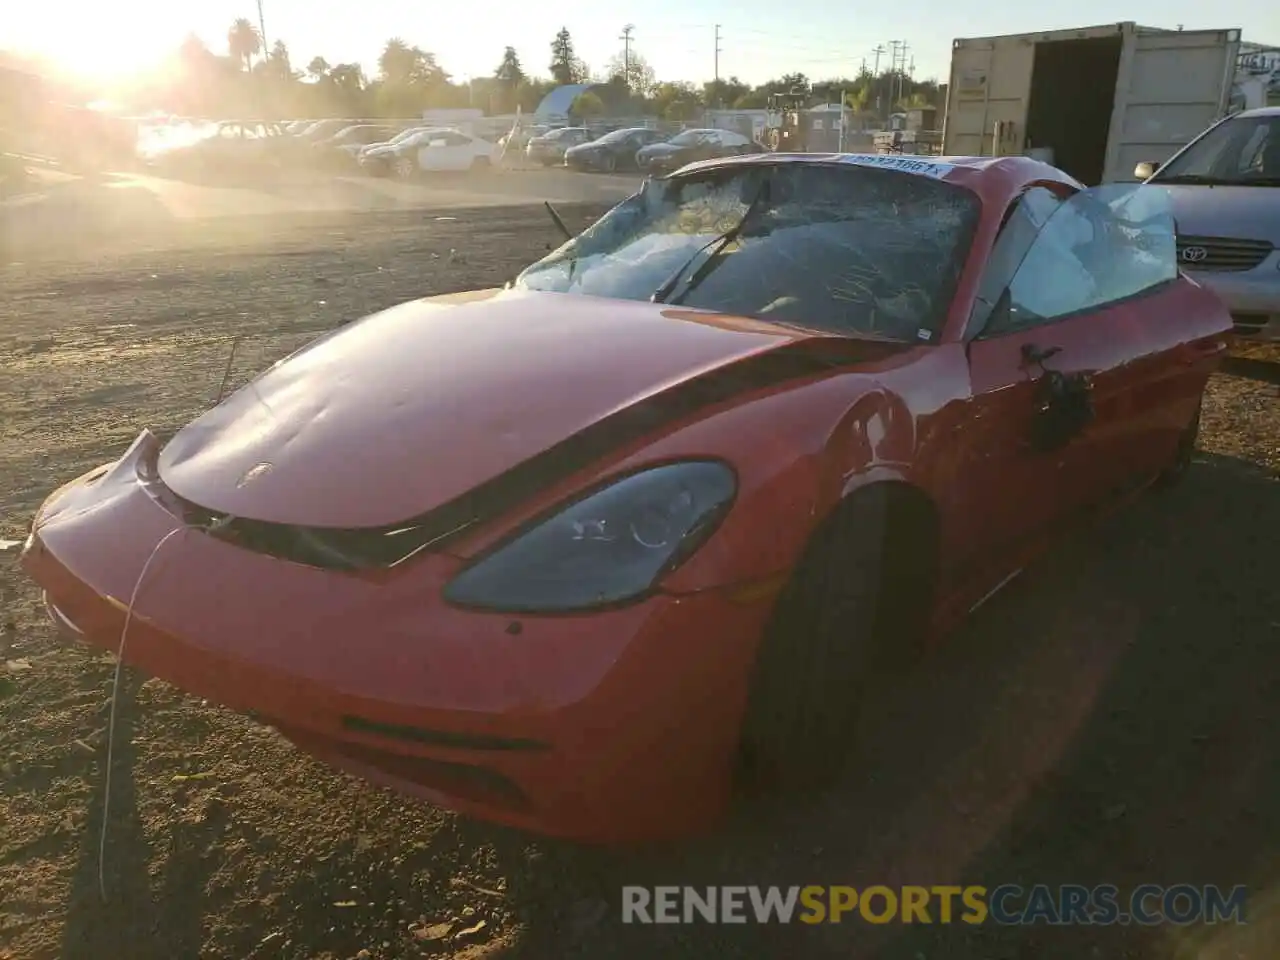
(1094, 101)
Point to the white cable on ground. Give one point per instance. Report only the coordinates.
(111, 722)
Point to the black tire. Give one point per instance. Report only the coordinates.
(824, 643)
(1173, 474)
(480, 164)
(608, 163)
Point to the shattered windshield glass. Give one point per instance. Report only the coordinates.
(830, 246)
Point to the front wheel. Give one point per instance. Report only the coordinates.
(481, 163)
(1173, 474)
(819, 652)
(608, 163)
(404, 168)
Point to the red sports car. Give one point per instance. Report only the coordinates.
(574, 554)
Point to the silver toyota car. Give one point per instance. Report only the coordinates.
(1225, 192)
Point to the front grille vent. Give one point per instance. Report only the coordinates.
(1223, 254)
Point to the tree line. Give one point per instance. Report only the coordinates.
(250, 81)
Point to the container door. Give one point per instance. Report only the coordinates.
(1171, 86)
(990, 83)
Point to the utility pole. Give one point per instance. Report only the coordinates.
(902, 71)
(626, 52)
(878, 51)
(893, 76)
(262, 29)
(717, 56)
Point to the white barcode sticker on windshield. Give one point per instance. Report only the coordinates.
(888, 161)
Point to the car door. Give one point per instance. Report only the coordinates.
(445, 150)
(710, 146)
(626, 151)
(1051, 354)
(1160, 383)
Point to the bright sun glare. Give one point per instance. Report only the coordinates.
(96, 49)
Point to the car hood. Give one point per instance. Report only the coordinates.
(388, 418)
(1245, 213)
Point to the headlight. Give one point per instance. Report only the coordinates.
(611, 546)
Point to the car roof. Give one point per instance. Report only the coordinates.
(1256, 112)
(993, 177)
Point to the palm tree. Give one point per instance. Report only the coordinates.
(397, 61)
(243, 41)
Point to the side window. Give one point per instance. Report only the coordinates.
(452, 139)
(1099, 247)
(1022, 224)
(1254, 150)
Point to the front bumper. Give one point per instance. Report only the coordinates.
(619, 726)
(544, 155)
(1252, 296)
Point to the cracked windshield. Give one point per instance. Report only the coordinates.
(832, 247)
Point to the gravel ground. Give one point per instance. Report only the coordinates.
(1114, 717)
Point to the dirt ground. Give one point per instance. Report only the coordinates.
(1114, 717)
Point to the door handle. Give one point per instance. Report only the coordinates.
(1033, 354)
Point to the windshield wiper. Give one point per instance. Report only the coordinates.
(663, 292)
(560, 225)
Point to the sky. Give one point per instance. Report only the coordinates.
(760, 39)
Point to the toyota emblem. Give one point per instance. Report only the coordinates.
(1194, 254)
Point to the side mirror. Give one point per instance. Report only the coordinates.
(1146, 169)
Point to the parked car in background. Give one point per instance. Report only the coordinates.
(692, 145)
(360, 135)
(382, 159)
(234, 148)
(519, 140)
(613, 151)
(1225, 191)
(549, 148)
(343, 147)
(398, 139)
(323, 129)
(436, 149)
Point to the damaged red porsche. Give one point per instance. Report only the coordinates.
(578, 554)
